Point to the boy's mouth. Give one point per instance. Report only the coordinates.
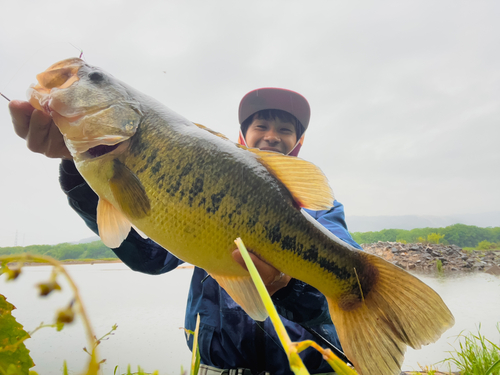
(274, 149)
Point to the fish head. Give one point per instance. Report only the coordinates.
(94, 111)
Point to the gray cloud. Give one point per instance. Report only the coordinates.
(404, 95)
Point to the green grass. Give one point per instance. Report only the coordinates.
(476, 356)
(439, 265)
(472, 249)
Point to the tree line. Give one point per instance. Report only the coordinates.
(64, 251)
(458, 234)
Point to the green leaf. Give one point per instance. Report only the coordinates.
(14, 356)
(495, 366)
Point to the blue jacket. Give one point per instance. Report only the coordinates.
(228, 337)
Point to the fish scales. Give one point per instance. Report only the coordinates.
(249, 208)
(193, 191)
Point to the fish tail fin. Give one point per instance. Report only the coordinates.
(399, 310)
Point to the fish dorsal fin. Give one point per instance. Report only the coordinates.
(211, 131)
(113, 225)
(129, 192)
(243, 291)
(305, 181)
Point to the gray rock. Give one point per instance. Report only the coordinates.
(493, 270)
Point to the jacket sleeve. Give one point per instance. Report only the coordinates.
(334, 221)
(301, 302)
(142, 255)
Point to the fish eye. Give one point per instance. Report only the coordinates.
(96, 77)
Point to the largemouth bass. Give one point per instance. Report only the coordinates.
(193, 191)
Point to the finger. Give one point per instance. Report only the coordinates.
(239, 258)
(20, 112)
(56, 148)
(37, 139)
(267, 272)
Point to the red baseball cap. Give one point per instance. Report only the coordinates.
(275, 98)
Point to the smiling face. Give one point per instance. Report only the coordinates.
(271, 135)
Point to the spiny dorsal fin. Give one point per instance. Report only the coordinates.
(305, 181)
(113, 225)
(211, 131)
(129, 192)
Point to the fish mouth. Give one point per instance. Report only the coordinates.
(92, 109)
(60, 75)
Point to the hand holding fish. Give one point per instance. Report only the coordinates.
(273, 279)
(38, 129)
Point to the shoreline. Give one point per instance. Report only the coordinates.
(420, 259)
(80, 262)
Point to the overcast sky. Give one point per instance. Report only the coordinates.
(404, 94)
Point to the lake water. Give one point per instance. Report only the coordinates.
(149, 311)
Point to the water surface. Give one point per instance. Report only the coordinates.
(149, 311)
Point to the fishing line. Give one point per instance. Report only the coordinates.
(30, 58)
(268, 335)
(79, 49)
(332, 347)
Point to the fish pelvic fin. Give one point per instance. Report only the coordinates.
(243, 291)
(305, 181)
(399, 311)
(113, 225)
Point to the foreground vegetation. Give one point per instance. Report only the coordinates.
(476, 355)
(465, 236)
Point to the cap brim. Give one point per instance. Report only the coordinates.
(275, 98)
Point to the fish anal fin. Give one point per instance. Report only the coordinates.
(113, 225)
(243, 291)
(129, 192)
(398, 311)
(305, 181)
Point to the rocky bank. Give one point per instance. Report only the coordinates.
(420, 257)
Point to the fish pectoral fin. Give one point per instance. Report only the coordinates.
(129, 192)
(399, 310)
(243, 291)
(305, 181)
(113, 225)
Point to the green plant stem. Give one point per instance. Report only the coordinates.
(292, 349)
(58, 266)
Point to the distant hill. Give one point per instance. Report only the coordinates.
(408, 222)
(87, 240)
